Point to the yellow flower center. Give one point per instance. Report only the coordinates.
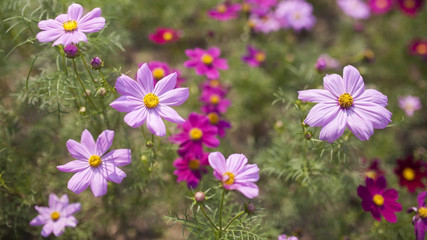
(421, 49)
(196, 134)
(158, 73)
(409, 3)
(381, 3)
(95, 161)
(213, 118)
(55, 216)
(194, 164)
(371, 174)
(230, 179)
(345, 100)
(297, 15)
(246, 7)
(207, 59)
(408, 174)
(151, 100)
(70, 25)
(378, 200)
(221, 8)
(214, 99)
(260, 57)
(251, 24)
(167, 36)
(214, 83)
(423, 212)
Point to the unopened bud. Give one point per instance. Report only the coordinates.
(308, 135)
(82, 110)
(101, 91)
(96, 63)
(199, 196)
(149, 144)
(71, 51)
(250, 208)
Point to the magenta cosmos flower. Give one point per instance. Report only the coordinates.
(420, 219)
(380, 6)
(345, 103)
(379, 201)
(94, 166)
(145, 102)
(235, 173)
(410, 104)
(297, 14)
(164, 35)
(214, 101)
(216, 120)
(206, 62)
(225, 11)
(57, 216)
(411, 173)
(254, 57)
(191, 168)
(196, 132)
(356, 9)
(71, 27)
(410, 7)
(418, 47)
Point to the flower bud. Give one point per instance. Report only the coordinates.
(250, 208)
(308, 135)
(71, 51)
(82, 110)
(96, 63)
(199, 197)
(149, 144)
(101, 91)
(320, 64)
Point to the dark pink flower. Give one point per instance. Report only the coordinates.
(418, 47)
(206, 62)
(164, 35)
(214, 101)
(420, 219)
(190, 168)
(410, 7)
(380, 6)
(411, 173)
(374, 171)
(225, 11)
(379, 201)
(254, 57)
(215, 120)
(161, 69)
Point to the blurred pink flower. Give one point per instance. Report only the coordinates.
(410, 7)
(356, 9)
(418, 47)
(206, 62)
(297, 14)
(214, 100)
(264, 23)
(215, 120)
(225, 11)
(410, 104)
(380, 6)
(254, 57)
(190, 168)
(164, 35)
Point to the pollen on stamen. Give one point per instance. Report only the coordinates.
(230, 179)
(167, 36)
(194, 164)
(213, 118)
(55, 216)
(408, 174)
(207, 59)
(214, 99)
(378, 200)
(196, 134)
(423, 212)
(260, 56)
(95, 161)
(345, 100)
(221, 8)
(158, 73)
(151, 100)
(70, 25)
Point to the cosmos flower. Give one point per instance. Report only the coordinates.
(264, 23)
(259, 7)
(374, 171)
(214, 100)
(410, 104)
(345, 103)
(379, 201)
(190, 168)
(235, 173)
(215, 120)
(356, 9)
(94, 166)
(164, 35)
(145, 102)
(206, 62)
(420, 219)
(284, 237)
(160, 70)
(410, 7)
(411, 173)
(418, 47)
(57, 216)
(225, 11)
(326, 62)
(254, 57)
(297, 14)
(71, 27)
(196, 132)
(380, 6)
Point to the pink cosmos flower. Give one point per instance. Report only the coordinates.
(264, 23)
(345, 103)
(297, 14)
(260, 7)
(410, 7)
(190, 168)
(214, 101)
(196, 132)
(356, 9)
(164, 35)
(284, 237)
(71, 27)
(379, 201)
(214, 84)
(215, 120)
(254, 57)
(57, 216)
(326, 62)
(410, 104)
(225, 11)
(380, 6)
(418, 47)
(94, 166)
(420, 219)
(235, 173)
(145, 102)
(206, 62)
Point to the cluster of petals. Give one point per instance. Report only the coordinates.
(206, 62)
(411, 173)
(147, 103)
(70, 28)
(373, 171)
(164, 35)
(410, 7)
(378, 200)
(296, 14)
(94, 166)
(410, 104)
(380, 6)
(356, 9)
(160, 70)
(420, 218)
(57, 216)
(344, 103)
(225, 11)
(235, 173)
(190, 168)
(254, 57)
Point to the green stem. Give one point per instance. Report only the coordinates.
(143, 133)
(235, 217)
(81, 84)
(87, 68)
(207, 217)
(220, 213)
(106, 83)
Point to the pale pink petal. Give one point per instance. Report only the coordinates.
(174, 97)
(334, 84)
(360, 127)
(71, 209)
(127, 103)
(49, 36)
(76, 37)
(88, 142)
(136, 118)
(379, 116)
(65, 39)
(321, 114)
(96, 12)
(75, 11)
(62, 18)
(317, 96)
(104, 142)
(235, 162)
(353, 81)
(217, 162)
(77, 150)
(250, 190)
(119, 157)
(373, 96)
(127, 86)
(39, 220)
(80, 181)
(169, 114)
(70, 221)
(74, 166)
(112, 173)
(220, 64)
(47, 229)
(58, 228)
(53, 199)
(145, 79)
(93, 25)
(248, 173)
(155, 123)
(98, 184)
(50, 25)
(165, 84)
(335, 128)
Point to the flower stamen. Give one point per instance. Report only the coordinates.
(221, 8)
(194, 164)
(151, 100)
(230, 179)
(167, 36)
(55, 216)
(196, 134)
(345, 100)
(95, 161)
(213, 118)
(423, 212)
(158, 73)
(214, 99)
(260, 57)
(378, 200)
(70, 26)
(207, 59)
(408, 174)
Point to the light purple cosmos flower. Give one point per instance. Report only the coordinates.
(206, 62)
(379, 201)
(190, 168)
(264, 23)
(345, 103)
(94, 166)
(254, 57)
(57, 216)
(297, 14)
(235, 173)
(145, 102)
(225, 11)
(356, 9)
(284, 237)
(420, 219)
(259, 7)
(71, 27)
(410, 104)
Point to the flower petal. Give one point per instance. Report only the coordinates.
(249, 173)
(155, 123)
(62, 18)
(96, 12)
(50, 24)
(88, 142)
(39, 220)
(145, 79)
(360, 127)
(169, 114)
(104, 142)
(220, 64)
(174, 97)
(93, 25)
(136, 118)
(58, 228)
(250, 190)
(127, 86)
(80, 181)
(388, 215)
(317, 96)
(335, 128)
(421, 198)
(71, 209)
(165, 84)
(70, 221)
(321, 114)
(75, 11)
(214, 52)
(217, 162)
(235, 162)
(119, 157)
(77, 150)
(353, 81)
(127, 103)
(98, 184)
(49, 36)
(73, 166)
(378, 115)
(112, 173)
(47, 229)
(334, 84)
(53, 199)
(373, 96)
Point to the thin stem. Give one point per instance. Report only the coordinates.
(106, 83)
(210, 220)
(235, 217)
(87, 68)
(220, 213)
(143, 133)
(81, 84)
